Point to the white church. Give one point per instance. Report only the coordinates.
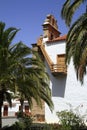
(67, 92)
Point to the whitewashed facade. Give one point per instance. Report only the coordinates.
(67, 92)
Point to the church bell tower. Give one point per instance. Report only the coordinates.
(50, 28)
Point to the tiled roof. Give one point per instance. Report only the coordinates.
(60, 38)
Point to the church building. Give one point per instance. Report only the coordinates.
(67, 91)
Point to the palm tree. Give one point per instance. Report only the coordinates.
(18, 69)
(33, 82)
(76, 42)
(6, 79)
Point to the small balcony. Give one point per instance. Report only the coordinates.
(58, 69)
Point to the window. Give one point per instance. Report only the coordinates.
(26, 109)
(53, 22)
(61, 63)
(19, 107)
(5, 111)
(61, 59)
(51, 37)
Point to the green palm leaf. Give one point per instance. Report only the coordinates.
(77, 44)
(69, 9)
(22, 72)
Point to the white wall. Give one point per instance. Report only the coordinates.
(55, 48)
(67, 92)
(15, 107)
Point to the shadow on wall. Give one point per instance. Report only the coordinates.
(58, 85)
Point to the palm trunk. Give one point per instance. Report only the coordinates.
(21, 102)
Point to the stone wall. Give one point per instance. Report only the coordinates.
(38, 113)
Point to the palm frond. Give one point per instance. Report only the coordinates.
(69, 9)
(65, 8)
(76, 44)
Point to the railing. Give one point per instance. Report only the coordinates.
(58, 68)
(49, 61)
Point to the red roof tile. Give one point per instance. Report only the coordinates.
(58, 39)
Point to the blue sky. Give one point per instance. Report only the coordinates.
(29, 15)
